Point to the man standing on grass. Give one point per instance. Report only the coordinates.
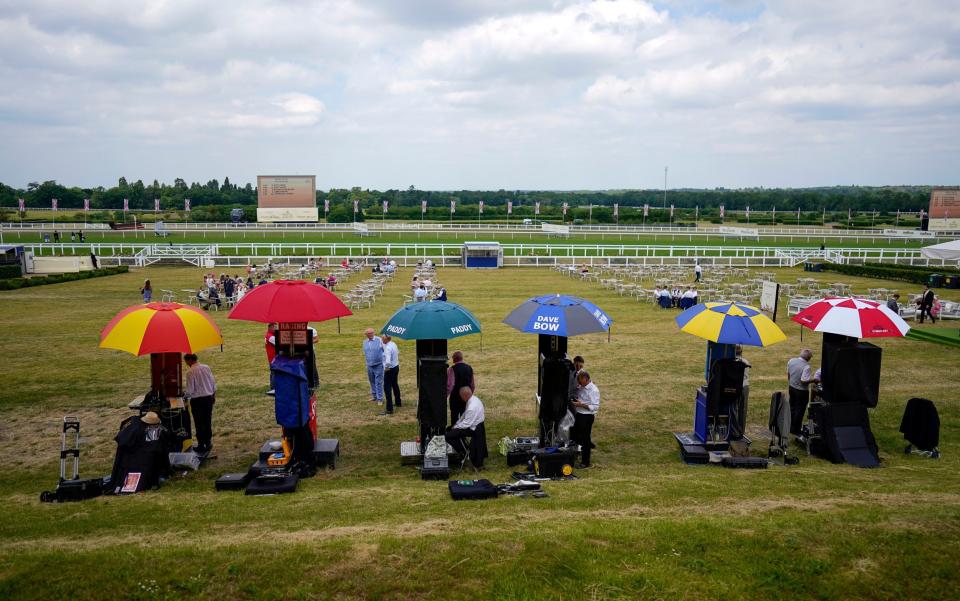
(698, 271)
(458, 375)
(926, 304)
(799, 378)
(373, 354)
(201, 390)
(391, 373)
(585, 408)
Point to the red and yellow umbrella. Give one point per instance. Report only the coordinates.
(160, 328)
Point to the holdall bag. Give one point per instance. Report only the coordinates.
(472, 489)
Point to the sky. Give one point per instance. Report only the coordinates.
(482, 94)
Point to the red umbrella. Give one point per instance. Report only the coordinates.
(856, 317)
(289, 301)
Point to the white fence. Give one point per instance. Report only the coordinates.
(374, 228)
(236, 254)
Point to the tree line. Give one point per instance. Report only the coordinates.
(214, 199)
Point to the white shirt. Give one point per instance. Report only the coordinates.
(420, 294)
(472, 417)
(689, 294)
(698, 269)
(590, 395)
(200, 382)
(391, 355)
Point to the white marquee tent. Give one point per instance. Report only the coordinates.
(948, 251)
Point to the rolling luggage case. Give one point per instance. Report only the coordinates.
(462, 490)
(72, 488)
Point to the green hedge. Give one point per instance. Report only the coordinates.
(9, 271)
(17, 283)
(900, 273)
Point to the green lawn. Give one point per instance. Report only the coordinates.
(639, 525)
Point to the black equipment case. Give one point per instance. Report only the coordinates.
(461, 490)
(273, 484)
(552, 462)
(326, 451)
(750, 463)
(233, 481)
(519, 457)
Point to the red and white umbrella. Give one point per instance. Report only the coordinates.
(856, 317)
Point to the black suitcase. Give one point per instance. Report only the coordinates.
(273, 485)
(553, 463)
(77, 490)
(232, 481)
(694, 453)
(461, 490)
(518, 457)
(326, 451)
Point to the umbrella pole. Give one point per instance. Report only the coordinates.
(608, 334)
(338, 325)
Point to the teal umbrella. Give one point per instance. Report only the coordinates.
(431, 320)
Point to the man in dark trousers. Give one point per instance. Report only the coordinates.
(926, 304)
(201, 390)
(799, 379)
(585, 408)
(459, 375)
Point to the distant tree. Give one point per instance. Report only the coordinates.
(122, 184)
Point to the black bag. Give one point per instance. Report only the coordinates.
(77, 490)
(750, 463)
(518, 457)
(326, 451)
(273, 485)
(472, 489)
(233, 481)
(921, 424)
(553, 463)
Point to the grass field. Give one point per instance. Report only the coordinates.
(639, 525)
(147, 236)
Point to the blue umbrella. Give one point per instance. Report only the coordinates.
(558, 315)
(431, 321)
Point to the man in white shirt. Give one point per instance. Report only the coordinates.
(420, 294)
(585, 409)
(698, 272)
(798, 381)
(391, 373)
(201, 389)
(471, 423)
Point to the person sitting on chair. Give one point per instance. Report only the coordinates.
(470, 425)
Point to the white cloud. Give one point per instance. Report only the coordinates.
(482, 93)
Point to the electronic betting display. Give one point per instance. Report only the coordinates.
(287, 198)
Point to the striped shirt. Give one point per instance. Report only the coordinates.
(200, 382)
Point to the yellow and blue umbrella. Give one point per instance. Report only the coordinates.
(730, 323)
